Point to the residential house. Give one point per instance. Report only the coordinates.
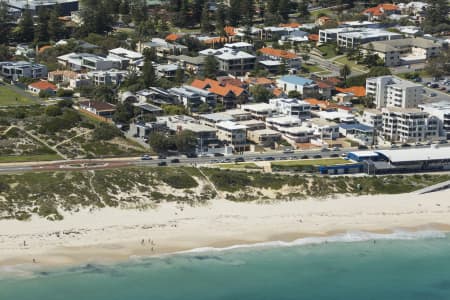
(100, 109)
(292, 107)
(233, 134)
(108, 77)
(163, 48)
(87, 62)
(290, 59)
(167, 71)
(228, 95)
(440, 110)
(42, 86)
(381, 10)
(189, 99)
(69, 78)
(306, 87)
(127, 58)
(192, 64)
(231, 61)
(22, 69)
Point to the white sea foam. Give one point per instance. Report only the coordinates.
(348, 237)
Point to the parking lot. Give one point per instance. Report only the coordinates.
(436, 91)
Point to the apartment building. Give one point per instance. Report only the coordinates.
(372, 118)
(440, 110)
(390, 91)
(292, 107)
(406, 125)
(190, 99)
(234, 134)
(351, 37)
(22, 69)
(126, 57)
(232, 61)
(403, 51)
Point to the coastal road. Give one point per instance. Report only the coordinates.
(111, 163)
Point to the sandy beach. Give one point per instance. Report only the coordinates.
(113, 235)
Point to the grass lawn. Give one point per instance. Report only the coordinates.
(8, 97)
(421, 73)
(25, 158)
(326, 11)
(312, 68)
(328, 50)
(312, 162)
(244, 165)
(344, 61)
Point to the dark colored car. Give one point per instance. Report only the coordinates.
(317, 156)
(162, 164)
(362, 147)
(218, 154)
(334, 155)
(304, 157)
(270, 158)
(406, 145)
(191, 155)
(239, 159)
(175, 161)
(162, 156)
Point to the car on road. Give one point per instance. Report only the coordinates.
(191, 155)
(405, 145)
(218, 154)
(334, 155)
(304, 157)
(362, 147)
(175, 160)
(239, 159)
(146, 157)
(162, 164)
(443, 88)
(162, 156)
(324, 150)
(257, 159)
(344, 155)
(393, 146)
(433, 94)
(270, 158)
(286, 151)
(336, 149)
(317, 156)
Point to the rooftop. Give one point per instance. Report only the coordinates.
(292, 79)
(416, 154)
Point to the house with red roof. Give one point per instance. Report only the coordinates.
(289, 58)
(381, 10)
(42, 85)
(227, 94)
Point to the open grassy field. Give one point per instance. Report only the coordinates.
(10, 97)
(25, 158)
(328, 50)
(325, 11)
(345, 61)
(312, 68)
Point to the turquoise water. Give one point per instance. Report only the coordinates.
(384, 269)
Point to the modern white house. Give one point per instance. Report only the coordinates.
(232, 61)
(22, 69)
(306, 87)
(440, 110)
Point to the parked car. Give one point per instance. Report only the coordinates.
(393, 146)
(191, 155)
(405, 145)
(239, 159)
(433, 94)
(286, 151)
(146, 157)
(218, 154)
(175, 161)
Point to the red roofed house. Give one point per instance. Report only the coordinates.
(173, 37)
(381, 10)
(289, 58)
(229, 95)
(325, 88)
(43, 85)
(357, 91)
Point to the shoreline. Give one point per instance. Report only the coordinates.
(113, 235)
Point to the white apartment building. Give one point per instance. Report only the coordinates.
(110, 77)
(406, 125)
(234, 134)
(441, 110)
(292, 107)
(126, 57)
(389, 91)
(372, 118)
(351, 37)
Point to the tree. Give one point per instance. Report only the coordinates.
(106, 132)
(179, 75)
(439, 66)
(158, 142)
(186, 141)
(55, 26)
(41, 32)
(345, 71)
(104, 93)
(53, 111)
(148, 74)
(205, 21)
(260, 93)
(294, 94)
(124, 113)
(436, 16)
(26, 26)
(210, 67)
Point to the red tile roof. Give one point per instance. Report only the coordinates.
(173, 37)
(278, 53)
(380, 9)
(43, 85)
(230, 30)
(313, 37)
(215, 87)
(358, 91)
(291, 25)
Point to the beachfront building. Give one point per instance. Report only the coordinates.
(259, 111)
(190, 99)
(292, 107)
(233, 134)
(372, 118)
(390, 91)
(440, 110)
(407, 125)
(403, 51)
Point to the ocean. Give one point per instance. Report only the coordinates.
(401, 265)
